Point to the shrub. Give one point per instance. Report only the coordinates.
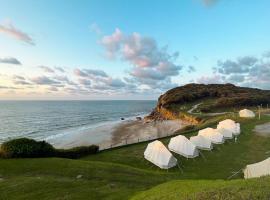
(77, 152)
(26, 148)
(29, 148)
(188, 128)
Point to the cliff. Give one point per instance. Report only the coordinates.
(174, 104)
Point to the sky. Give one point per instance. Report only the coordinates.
(119, 49)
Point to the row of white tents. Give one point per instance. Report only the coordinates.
(157, 153)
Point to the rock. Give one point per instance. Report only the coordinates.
(139, 118)
(122, 118)
(79, 176)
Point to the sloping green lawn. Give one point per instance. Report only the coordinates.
(123, 172)
(208, 189)
(55, 178)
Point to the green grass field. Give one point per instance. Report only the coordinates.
(122, 173)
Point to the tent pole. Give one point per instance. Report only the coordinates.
(234, 174)
(180, 168)
(202, 155)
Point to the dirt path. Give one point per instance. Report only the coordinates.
(262, 130)
(190, 111)
(194, 108)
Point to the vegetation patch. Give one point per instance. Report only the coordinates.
(29, 148)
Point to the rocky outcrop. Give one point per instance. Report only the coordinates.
(166, 114)
(221, 95)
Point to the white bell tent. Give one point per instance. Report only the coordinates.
(230, 125)
(246, 113)
(201, 142)
(181, 145)
(257, 169)
(213, 135)
(159, 155)
(227, 133)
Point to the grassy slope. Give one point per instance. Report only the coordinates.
(122, 172)
(206, 189)
(55, 178)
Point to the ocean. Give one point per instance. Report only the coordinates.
(48, 120)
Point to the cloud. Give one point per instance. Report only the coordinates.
(96, 72)
(20, 80)
(80, 73)
(85, 82)
(11, 31)
(60, 69)
(266, 54)
(46, 69)
(52, 89)
(99, 81)
(150, 62)
(241, 65)
(7, 87)
(112, 43)
(191, 69)
(115, 83)
(44, 80)
(210, 79)
(236, 78)
(195, 58)
(64, 80)
(10, 60)
(247, 71)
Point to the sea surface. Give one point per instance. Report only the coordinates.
(46, 120)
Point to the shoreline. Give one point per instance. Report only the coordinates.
(119, 133)
(139, 130)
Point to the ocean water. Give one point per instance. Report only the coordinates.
(46, 120)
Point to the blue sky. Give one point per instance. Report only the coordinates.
(153, 46)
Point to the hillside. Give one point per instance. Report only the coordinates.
(121, 173)
(207, 189)
(176, 102)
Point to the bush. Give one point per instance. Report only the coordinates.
(77, 152)
(26, 148)
(188, 128)
(29, 148)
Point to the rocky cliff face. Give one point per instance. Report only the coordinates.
(221, 95)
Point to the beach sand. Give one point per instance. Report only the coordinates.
(135, 131)
(126, 132)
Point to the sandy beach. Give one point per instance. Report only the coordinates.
(138, 130)
(125, 132)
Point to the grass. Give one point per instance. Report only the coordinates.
(55, 178)
(121, 173)
(206, 189)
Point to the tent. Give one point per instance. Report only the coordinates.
(257, 169)
(201, 142)
(181, 145)
(246, 113)
(213, 135)
(159, 155)
(227, 133)
(230, 125)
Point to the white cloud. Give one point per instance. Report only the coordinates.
(46, 69)
(11, 31)
(150, 62)
(10, 60)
